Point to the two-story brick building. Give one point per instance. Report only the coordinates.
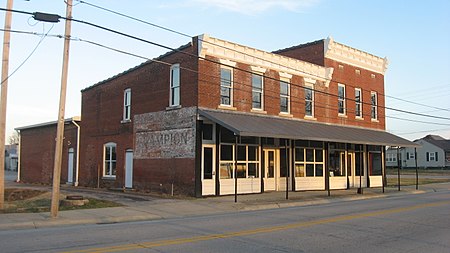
(212, 113)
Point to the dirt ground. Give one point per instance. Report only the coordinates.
(21, 194)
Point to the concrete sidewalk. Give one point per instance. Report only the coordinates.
(138, 207)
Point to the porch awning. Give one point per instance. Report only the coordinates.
(246, 124)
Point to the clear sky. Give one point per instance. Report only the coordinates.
(414, 35)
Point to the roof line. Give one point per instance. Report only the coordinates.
(138, 66)
(67, 120)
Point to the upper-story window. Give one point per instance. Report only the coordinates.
(127, 104)
(109, 160)
(374, 103)
(284, 96)
(309, 100)
(341, 99)
(257, 91)
(175, 85)
(226, 86)
(358, 103)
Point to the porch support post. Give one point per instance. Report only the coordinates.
(327, 172)
(217, 161)
(198, 160)
(262, 162)
(383, 166)
(361, 168)
(417, 169)
(235, 167)
(398, 167)
(287, 167)
(292, 157)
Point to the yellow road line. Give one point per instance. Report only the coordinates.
(160, 243)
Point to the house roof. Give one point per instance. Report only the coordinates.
(245, 124)
(68, 120)
(438, 141)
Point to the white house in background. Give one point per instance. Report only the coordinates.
(11, 158)
(434, 153)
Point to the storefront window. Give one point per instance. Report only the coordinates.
(247, 161)
(375, 164)
(336, 165)
(308, 161)
(226, 170)
(299, 170)
(241, 170)
(226, 152)
(358, 164)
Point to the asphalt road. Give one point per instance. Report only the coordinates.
(407, 223)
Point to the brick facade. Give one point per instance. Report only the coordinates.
(165, 159)
(102, 110)
(37, 151)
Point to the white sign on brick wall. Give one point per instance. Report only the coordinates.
(166, 134)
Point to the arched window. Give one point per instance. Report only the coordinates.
(109, 159)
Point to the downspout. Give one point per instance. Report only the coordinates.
(19, 156)
(77, 166)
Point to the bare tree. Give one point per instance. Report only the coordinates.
(13, 138)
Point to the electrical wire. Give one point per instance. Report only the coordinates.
(316, 104)
(216, 62)
(29, 55)
(231, 49)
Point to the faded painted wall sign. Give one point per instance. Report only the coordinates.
(167, 134)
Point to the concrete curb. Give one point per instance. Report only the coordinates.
(66, 219)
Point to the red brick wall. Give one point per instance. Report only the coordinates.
(37, 153)
(157, 175)
(348, 76)
(311, 52)
(102, 112)
(325, 109)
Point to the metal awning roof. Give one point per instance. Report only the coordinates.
(245, 124)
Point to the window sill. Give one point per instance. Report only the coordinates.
(359, 118)
(173, 107)
(227, 107)
(110, 178)
(342, 115)
(374, 120)
(309, 118)
(124, 121)
(285, 114)
(259, 111)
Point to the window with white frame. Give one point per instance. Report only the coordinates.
(341, 99)
(284, 96)
(226, 86)
(391, 157)
(309, 162)
(257, 91)
(175, 85)
(431, 156)
(309, 100)
(358, 103)
(127, 104)
(247, 161)
(109, 159)
(374, 105)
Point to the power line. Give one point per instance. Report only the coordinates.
(425, 131)
(415, 103)
(216, 62)
(28, 57)
(267, 106)
(231, 49)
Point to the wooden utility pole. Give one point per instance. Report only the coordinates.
(62, 105)
(3, 99)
